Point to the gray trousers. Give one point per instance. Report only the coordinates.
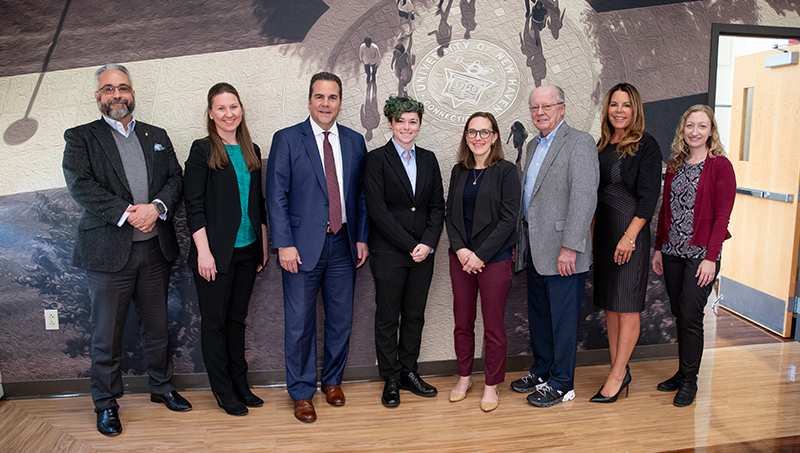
(145, 281)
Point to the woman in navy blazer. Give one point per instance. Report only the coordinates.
(227, 217)
(481, 218)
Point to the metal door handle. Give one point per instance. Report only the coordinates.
(785, 197)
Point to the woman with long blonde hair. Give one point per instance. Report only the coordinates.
(699, 190)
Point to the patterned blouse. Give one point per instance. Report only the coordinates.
(682, 197)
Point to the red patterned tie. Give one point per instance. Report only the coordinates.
(334, 202)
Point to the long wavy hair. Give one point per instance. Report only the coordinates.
(218, 158)
(680, 149)
(465, 156)
(630, 144)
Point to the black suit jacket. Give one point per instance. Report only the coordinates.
(212, 201)
(494, 227)
(400, 219)
(96, 180)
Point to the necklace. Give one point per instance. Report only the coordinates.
(477, 175)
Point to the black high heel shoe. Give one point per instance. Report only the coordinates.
(230, 404)
(599, 398)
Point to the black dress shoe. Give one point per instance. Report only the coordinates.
(412, 382)
(671, 384)
(599, 398)
(686, 392)
(108, 422)
(391, 393)
(247, 397)
(173, 400)
(229, 403)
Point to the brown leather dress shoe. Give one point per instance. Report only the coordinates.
(304, 411)
(333, 394)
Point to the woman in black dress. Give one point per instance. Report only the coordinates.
(630, 178)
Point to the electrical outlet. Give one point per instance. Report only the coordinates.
(51, 320)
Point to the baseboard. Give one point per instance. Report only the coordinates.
(277, 378)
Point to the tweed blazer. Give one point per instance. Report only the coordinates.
(96, 180)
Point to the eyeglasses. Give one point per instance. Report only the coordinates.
(485, 133)
(545, 107)
(109, 89)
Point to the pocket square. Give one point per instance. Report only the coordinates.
(158, 147)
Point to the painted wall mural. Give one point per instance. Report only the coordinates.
(457, 56)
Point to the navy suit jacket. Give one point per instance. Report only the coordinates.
(297, 195)
(96, 180)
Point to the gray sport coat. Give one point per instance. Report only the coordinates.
(562, 203)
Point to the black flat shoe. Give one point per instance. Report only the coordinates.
(230, 404)
(108, 422)
(391, 393)
(670, 385)
(173, 400)
(626, 381)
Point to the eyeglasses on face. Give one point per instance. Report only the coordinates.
(545, 107)
(109, 89)
(485, 133)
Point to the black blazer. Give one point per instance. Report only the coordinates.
(212, 201)
(496, 209)
(96, 180)
(641, 173)
(399, 219)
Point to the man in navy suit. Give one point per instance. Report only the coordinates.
(318, 222)
(124, 174)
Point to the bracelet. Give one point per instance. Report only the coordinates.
(633, 243)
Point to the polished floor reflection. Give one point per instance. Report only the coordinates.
(748, 400)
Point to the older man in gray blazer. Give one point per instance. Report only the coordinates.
(559, 198)
(126, 178)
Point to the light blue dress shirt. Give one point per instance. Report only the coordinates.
(410, 165)
(536, 165)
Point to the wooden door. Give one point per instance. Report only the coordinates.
(759, 263)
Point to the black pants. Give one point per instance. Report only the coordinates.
(145, 280)
(687, 301)
(223, 309)
(401, 293)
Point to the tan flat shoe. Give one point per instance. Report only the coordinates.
(456, 397)
(488, 406)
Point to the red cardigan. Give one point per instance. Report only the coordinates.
(716, 190)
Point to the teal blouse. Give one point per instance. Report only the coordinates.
(246, 234)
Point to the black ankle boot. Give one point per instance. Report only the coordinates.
(671, 384)
(247, 397)
(686, 392)
(230, 403)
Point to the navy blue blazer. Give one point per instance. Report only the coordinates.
(297, 195)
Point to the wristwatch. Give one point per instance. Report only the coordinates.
(160, 207)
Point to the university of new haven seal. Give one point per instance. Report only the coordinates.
(471, 76)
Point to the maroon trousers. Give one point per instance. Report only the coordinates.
(493, 284)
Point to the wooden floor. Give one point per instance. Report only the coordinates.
(748, 400)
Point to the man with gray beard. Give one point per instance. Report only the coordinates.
(125, 176)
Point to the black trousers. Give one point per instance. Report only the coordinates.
(401, 294)
(223, 309)
(145, 280)
(687, 301)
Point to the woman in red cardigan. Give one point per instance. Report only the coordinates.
(699, 189)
